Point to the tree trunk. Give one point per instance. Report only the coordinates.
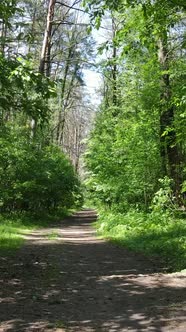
(3, 37)
(32, 28)
(168, 143)
(114, 66)
(45, 53)
(61, 115)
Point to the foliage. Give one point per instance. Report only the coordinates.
(139, 134)
(164, 199)
(23, 91)
(123, 151)
(136, 151)
(36, 177)
(160, 236)
(142, 139)
(7, 9)
(33, 178)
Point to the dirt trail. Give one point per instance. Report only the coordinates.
(66, 279)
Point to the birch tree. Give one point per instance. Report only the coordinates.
(46, 48)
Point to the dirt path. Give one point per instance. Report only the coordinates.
(76, 282)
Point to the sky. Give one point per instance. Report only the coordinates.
(92, 77)
(93, 82)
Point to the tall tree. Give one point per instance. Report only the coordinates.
(127, 151)
(46, 48)
(159, 20)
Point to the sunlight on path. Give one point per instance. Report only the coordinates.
(66, 279)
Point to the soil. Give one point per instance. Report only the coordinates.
(67, 279)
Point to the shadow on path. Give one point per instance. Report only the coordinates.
(80, 283)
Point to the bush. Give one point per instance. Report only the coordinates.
(32, 178)
(156, 235)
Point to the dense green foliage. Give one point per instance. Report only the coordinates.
(156, 235)
(24, 93)
(33, 178)
(136, 152)
(35, 174)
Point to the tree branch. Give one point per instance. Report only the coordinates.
(71, 7)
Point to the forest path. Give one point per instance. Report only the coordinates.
(66, 279)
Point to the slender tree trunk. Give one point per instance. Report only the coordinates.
(61, 115)
(47, 37)
(45, 54)
(77, 146)
(48, 61)
(114, 66)
(33, 27)
(169, 150)
(3, 37)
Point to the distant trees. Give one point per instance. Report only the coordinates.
(69, 49)
(52, 37)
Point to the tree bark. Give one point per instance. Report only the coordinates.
(169, 149)
(45, 52)
(61, 115)
(114, 66)
(3, 37)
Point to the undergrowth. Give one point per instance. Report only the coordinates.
(14, 226)
(162, 236)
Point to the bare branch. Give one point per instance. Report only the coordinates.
(71, 7)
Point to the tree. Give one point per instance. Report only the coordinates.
(46, 48)
(127, 149)
(34, 173)
(159, 20)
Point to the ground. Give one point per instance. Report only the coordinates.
(67, 279)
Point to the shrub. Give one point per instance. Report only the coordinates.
(156, 235)
(32, 178)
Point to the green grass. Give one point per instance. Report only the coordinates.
(13, 227)
(161, 236)
(11, 232)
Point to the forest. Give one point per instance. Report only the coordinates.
(126, 157)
